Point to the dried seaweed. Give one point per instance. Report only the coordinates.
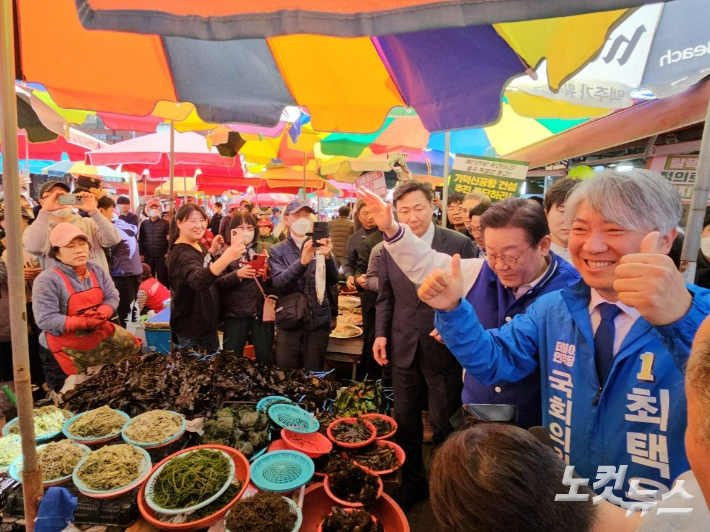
(193, 386)
(341, 520)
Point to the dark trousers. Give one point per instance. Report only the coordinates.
(208, 344)
(160, 270)
(411, 387)
(127, 298)
(368, 367)
(236, 332)
(52, 370)
(296, 348)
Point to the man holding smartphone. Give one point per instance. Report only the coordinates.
(56, 209)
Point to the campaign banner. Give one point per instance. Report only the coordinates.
(680, 170)
(375, 181)
(496, 178)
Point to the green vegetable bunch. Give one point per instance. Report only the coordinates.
(365, 397)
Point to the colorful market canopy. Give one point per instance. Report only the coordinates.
(62, 168)
(74, 148)
(219, 20)
(452, 77)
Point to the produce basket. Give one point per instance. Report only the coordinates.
(317, 504)
(348, 510)
(47, 437)
(264, 404)
(282, 471)
(166, 441)
(326, 487)
(293, 505)
(110, 494)
(383, 417)
(15, 469)
(293, 418)
(312, 445)
(370, 427)
(399, 452)
(91, 441)
(168, 511)
(242, 473)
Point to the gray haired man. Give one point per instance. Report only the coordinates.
(612, 348)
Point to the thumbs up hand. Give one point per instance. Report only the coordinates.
(442, 290)
(650, 282)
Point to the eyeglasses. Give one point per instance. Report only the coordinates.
(508, 260)
(475, 230)
(456, 208)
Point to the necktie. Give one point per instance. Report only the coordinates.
(604, 340)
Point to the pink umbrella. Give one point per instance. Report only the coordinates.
(152, 153)
(267, 198)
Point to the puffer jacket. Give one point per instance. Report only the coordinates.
(288, 276)
(241, 298)
(340, 231)
(153, 237)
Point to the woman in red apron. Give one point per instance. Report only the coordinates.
(73, 303)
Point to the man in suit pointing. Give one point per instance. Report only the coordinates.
(421, 367)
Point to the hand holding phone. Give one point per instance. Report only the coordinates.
(70, 199)
(320, 231)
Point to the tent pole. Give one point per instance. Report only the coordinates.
(172, 168)
(445, 198)
(691, 244)
(32, 490)
(304, 175)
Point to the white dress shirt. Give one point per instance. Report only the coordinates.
(561, 252)
(524, 289)
(622, 323)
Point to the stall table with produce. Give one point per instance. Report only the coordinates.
(346, 340)
(186, 442)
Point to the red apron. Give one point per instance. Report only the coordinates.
(79, 303)
(157, 293)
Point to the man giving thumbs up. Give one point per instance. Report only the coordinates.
(611, 349)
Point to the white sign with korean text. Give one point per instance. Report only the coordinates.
(375, 181)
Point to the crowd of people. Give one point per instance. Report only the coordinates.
(571, 309)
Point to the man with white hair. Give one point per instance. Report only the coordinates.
(612, 348)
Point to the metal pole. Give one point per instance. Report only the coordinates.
(304, 175)
(445, 198)
(691, 244)
(31, 475)
(172, 168)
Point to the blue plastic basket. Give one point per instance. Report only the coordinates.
(15, 470)
(154, 445)
(266, 402)
(92, 441)
(293, 418)
(282, 471)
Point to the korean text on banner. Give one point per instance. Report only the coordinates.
(375, 181)
(680, 170)
(497, 178)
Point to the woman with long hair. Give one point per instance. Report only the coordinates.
(193, 271)
(243, 296)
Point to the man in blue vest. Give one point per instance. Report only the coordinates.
(520, 267)
(611, 349)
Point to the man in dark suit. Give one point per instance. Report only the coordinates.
(421, 366)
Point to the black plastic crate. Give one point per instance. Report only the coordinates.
(121, 511)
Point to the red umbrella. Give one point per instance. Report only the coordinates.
(152, 153)
(75, 148)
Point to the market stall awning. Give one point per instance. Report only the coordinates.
(640, 121)
(219, 20)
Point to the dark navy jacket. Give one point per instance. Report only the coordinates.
(288, 275)
(495, 305)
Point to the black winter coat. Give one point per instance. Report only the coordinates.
(241, 298)
(153, 237)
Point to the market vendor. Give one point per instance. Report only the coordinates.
(73, 303)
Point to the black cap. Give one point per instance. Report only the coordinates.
(50, 184)
(123, 200)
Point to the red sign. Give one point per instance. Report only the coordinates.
(375, 181)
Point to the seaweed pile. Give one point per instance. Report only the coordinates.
(352, 483)
(239, 427)
(193, 386)
(351, 520)
(263, 512)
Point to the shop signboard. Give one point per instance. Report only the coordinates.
(680, 170)
(375, 181)
(496, 178)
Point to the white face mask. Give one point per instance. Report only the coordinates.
(153, 213)
(62, 214)
(114, 217)
(705, 245)
(301, 226)
(247, 236)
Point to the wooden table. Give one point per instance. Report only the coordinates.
(346, 350)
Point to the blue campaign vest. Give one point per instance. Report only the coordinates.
(495, 305)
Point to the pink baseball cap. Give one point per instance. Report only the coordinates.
(64, 233)
(153, 203)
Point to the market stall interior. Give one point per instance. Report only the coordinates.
(188, 441)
